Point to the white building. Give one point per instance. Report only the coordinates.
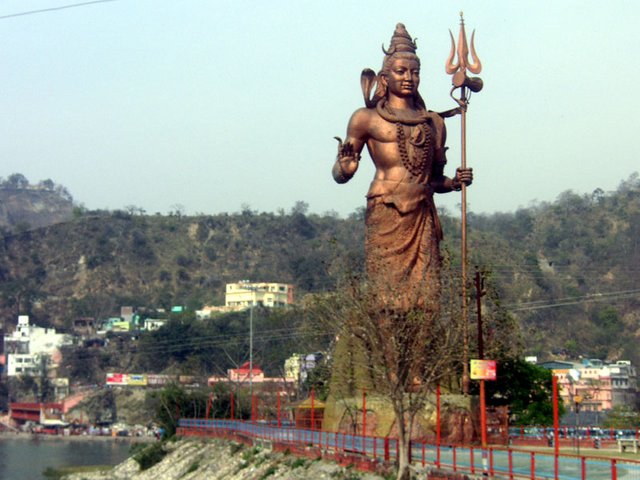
(153, 324)
(244, 294)
(28, 348)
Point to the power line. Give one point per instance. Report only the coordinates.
(578, 301)
(52, 9)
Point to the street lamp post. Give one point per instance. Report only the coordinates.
(574, 378)
(577, 399)
(251, 349)
(254, 290)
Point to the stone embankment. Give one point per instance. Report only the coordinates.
(211, 459)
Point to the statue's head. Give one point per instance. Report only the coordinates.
(401, 47)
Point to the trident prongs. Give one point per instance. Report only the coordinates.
(463, 53)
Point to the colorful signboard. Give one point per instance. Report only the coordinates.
(483, 369)
(117, 378)
(136, 380)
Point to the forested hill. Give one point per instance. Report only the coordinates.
(568, 270)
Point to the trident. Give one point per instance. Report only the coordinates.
(466, 85)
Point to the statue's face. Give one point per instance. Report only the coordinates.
(403, 77)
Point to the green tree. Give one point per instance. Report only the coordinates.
(526, 389)
(173, 402)
(622, 416)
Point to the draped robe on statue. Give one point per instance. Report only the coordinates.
(403, 231)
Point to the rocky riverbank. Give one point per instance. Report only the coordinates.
(211, 459)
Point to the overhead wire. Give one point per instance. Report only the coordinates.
(52, 9)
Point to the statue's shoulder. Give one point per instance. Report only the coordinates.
(365, 112)
(364, 116)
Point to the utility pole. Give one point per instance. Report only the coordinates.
(480, 292)
(251, 349)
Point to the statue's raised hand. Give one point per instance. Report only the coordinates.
(346, 161)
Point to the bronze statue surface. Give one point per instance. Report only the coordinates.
(406, 142)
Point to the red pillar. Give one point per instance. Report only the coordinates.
(209, 401)
(556, 436)
(364, 413)
(313, 409)
(279, 421)
(438, 431)
(253, 408)
(483, 415)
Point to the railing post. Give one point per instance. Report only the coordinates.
(455, 463)
(491, 472)
(614, 469)
(386, 449)
(510, 464)
(583, 465)
(423, 454)
(533, 466)
(473, 466)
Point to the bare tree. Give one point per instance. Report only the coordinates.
(404, 351)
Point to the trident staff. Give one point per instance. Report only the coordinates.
(465, 85)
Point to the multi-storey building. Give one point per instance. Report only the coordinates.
(245, 294)
(596, 385)
(29, 348)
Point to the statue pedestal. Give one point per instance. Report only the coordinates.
(459, 419)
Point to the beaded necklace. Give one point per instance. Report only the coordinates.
(421, 139)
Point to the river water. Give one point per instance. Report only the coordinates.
(26, 458)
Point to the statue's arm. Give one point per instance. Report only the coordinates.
(348, 157)
(439, 181)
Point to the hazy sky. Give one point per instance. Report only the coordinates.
(215, 104)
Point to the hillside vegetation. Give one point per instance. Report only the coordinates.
(567, 270)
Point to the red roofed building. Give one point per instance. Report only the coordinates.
(244, 375)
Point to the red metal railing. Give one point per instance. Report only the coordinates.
(370, 451)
